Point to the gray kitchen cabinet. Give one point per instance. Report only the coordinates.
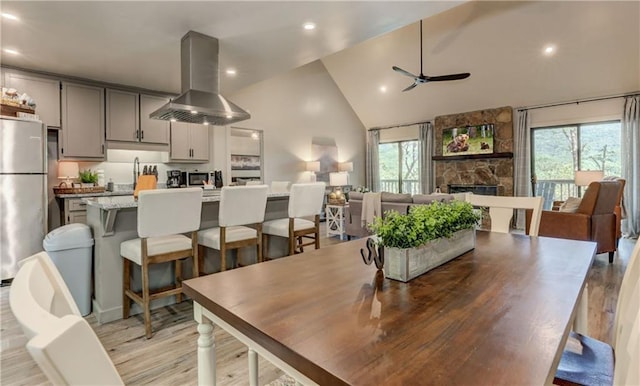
(152, 130)
(123, 116)
(189, 142)
(128, 118)
(75, 211)
(82, 135)
(45, 92)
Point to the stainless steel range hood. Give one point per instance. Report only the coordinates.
(200, 101)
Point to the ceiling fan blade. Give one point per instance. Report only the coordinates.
(463, 75)
(400, 70)
(410, 87)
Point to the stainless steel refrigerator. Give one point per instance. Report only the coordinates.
(23, 191)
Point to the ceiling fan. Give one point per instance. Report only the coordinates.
(419, 79)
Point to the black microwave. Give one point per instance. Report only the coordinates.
(192, 179)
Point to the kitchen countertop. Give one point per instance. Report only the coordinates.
(103, 194)
(123, 202)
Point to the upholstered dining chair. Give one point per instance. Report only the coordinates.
(239, 206)
(305, 200)
(501, 210)
(163, 215)
(61, 342)
(588, 361)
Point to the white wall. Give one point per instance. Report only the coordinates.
(596, 111)
(293, 108)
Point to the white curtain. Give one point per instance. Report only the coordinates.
(631, 164)
(373, 170)
(425, 135)
(522, 161)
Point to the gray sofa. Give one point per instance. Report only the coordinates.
(389, 202)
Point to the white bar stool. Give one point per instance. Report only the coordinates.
(239, 206)
(305, 200)
(162, 216)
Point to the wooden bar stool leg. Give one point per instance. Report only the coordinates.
(200, 262)
(265, 247)
(198, 254)
(317, 232)
(146, 306)
(223, 249)
(292, 237)
(126, 286)
(178, 280)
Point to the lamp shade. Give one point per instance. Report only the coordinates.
(68, 170)
(338, 179)
(585, 177)
(313, 166)
(345, 166)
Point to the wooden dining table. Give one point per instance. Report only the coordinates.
(498, 314)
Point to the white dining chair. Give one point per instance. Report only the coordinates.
(586, 360)
(305, 200)
(163, 215)
(280, 186)
(38, 295)
(501, 210)
(61, 342)
(70, 353)
(239, 206)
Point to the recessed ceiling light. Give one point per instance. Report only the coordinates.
(9, 16)
(10, 51)
(383, 88)
(254, 135)
(205, 123)
(229, 116)
(194, 112)
(549, 50)
(231, 71)
(309, 26)
(173, 120)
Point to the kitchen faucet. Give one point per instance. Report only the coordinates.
(136, 172)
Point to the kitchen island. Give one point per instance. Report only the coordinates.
(113, 219)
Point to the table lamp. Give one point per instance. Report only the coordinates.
(585, 177)
(68, 171)
(313, 167)
(338, 180)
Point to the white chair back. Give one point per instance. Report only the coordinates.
(280, 186)
(627, 360)
(38, 295)
(70, 353)
(306, 199)
(501, 210)
(252, 182)
(242, 205)
(163, 212)
(630, 280)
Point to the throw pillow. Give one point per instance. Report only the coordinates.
(570, 205)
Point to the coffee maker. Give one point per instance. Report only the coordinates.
(174, 178)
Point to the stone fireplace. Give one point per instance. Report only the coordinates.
(485, 173)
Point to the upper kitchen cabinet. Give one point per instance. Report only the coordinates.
(189, 142)
(45, 92)
(82, 135)
(128, 118)
(123, 116)
(152, 130)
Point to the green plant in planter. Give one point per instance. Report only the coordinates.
(424, 223)
(88, 177)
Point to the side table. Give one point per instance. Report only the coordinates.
(335, 216)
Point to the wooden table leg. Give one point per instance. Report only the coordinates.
(206, 348)
(253, 367)
(582, 313)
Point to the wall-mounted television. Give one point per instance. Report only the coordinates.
(467, 140)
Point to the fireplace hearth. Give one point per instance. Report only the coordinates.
(486, 190)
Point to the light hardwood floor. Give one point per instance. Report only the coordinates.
(169, 358)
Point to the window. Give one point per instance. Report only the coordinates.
(399, 166)
(557, 152)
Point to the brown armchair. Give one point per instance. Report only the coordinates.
(594, 220)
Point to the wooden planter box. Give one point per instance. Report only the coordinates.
(406, 264)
